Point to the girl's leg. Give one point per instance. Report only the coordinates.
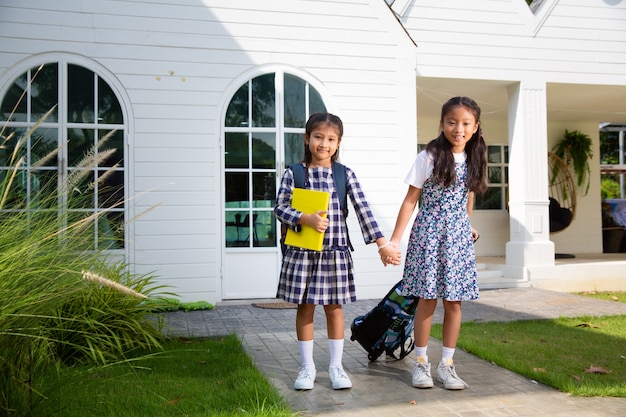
(304, 332)
(452, 316)
(334, 321)
(420, 376)
(335, 325)
(304, 321)
(423, 321)
(446, 373)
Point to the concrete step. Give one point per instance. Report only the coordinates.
(490, 276)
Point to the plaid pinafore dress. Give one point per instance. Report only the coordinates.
(325, 277)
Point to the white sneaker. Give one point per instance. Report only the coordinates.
(447, 375)
(305, 379)
(338, 378)
(420, 376)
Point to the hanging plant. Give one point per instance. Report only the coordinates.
(575, 148)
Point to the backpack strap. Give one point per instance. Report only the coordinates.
(339, 175)
(341, 181)
(298, 175)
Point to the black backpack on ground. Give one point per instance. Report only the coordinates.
(339, 176)
(388, 327)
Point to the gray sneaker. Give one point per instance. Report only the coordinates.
(338, 378)
(420, 376)
(448, 377)
(305, 379)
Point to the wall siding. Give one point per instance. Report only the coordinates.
(177, 59)
(496, 39)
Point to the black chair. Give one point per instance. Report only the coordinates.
(243, 229)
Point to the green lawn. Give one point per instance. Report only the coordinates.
(583, 356)
(193, 377)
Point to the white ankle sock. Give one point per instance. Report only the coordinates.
(421, 351)
(447, 353)
(306, 353)
(335, 347)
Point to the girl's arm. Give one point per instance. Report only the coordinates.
(470, 206)
(404, 214)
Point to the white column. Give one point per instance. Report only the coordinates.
(528, 178)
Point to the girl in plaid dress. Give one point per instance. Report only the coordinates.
(308, 277)
(440, 260)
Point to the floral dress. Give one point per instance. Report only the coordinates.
(440, 259)
(327, 276)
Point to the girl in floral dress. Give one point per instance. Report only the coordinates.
(440, 260)
(309, 278)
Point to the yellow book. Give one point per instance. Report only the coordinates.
(307, 201)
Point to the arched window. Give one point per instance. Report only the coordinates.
(264, 127)
(73, 161)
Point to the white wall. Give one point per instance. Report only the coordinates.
(566, 41)
(175, 59)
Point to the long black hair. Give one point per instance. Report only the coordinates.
(314, 121)
(475, 149)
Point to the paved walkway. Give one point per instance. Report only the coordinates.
(384, 388)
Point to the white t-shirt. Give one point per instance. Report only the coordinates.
(423, 167)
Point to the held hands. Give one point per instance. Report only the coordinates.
(390, 254)
(475, 234)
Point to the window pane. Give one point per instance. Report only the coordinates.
(264, 229)
(264, 189)
(45, 93)
(13, 97)
(237, 190)
(114, 141)
(495, 175)
(110, 189)
(609, 148)
(109, 110)
(295, 110)
(237, 229)
(493, 154)
(237, 113)
(316, 105)
(43, 188)
(81, 142)
(506, 154)
(236, 148)
(491, 200)
(80, 95)
(44, 148)
(264, 101)
(17, 193)
(81, 194)
(294, 148)
(14, 137)
(264, 150)
(110, 230)
(82, 229)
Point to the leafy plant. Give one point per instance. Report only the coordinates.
(575, 148)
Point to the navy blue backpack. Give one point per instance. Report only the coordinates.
(388, 327)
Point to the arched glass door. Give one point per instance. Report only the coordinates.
(261, 136)
(263, 133)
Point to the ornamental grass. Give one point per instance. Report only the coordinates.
(62, 302)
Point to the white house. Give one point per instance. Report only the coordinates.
(208, 99)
